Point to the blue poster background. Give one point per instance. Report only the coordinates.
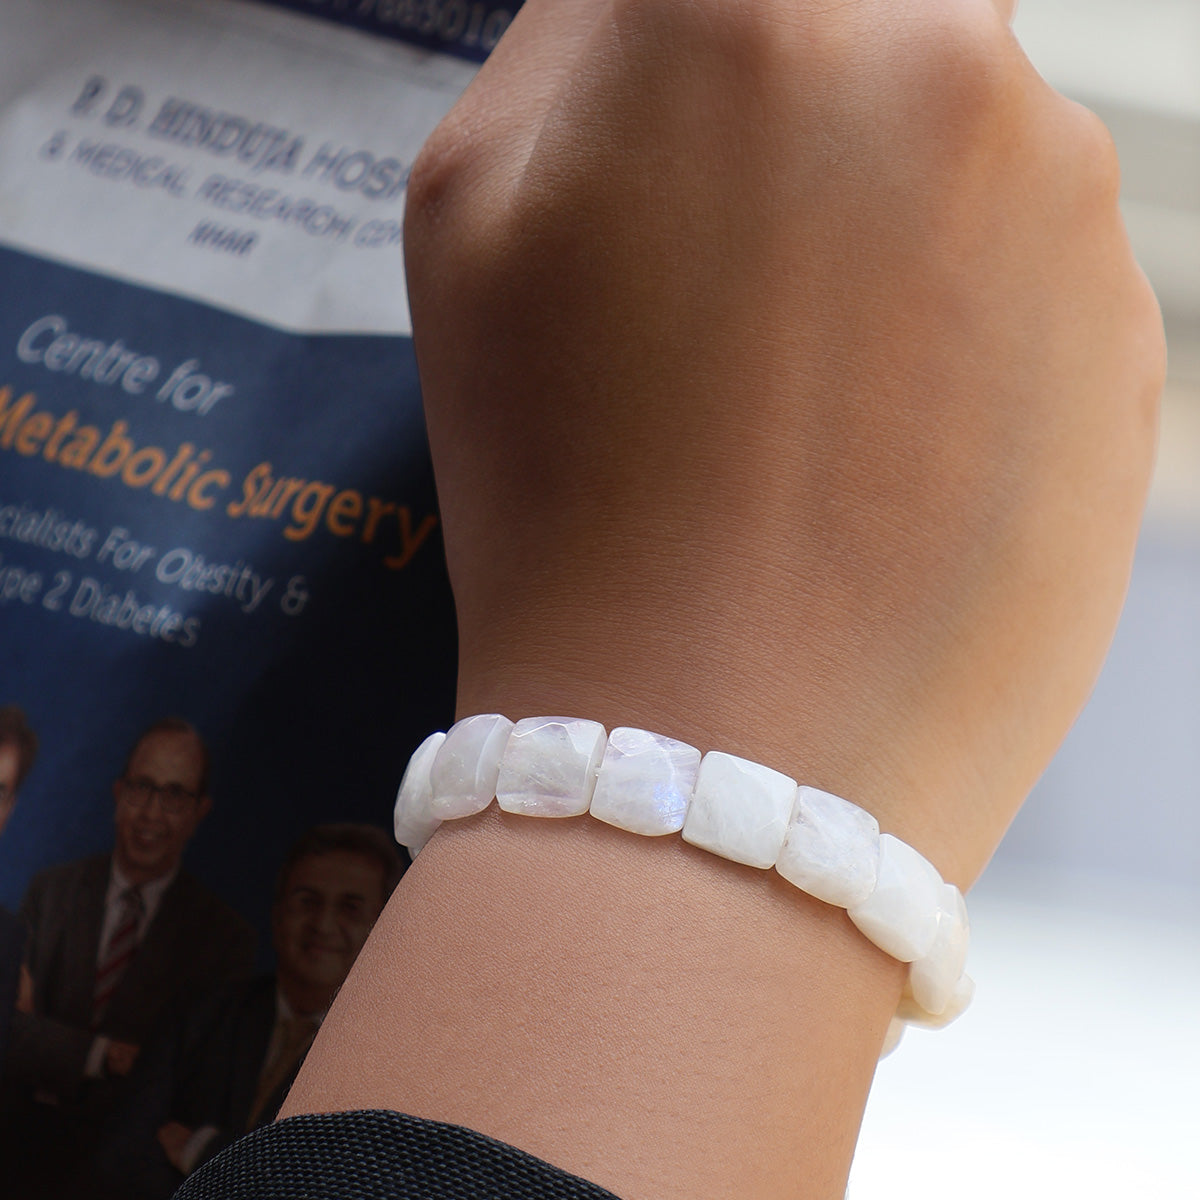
(310, 713)
(467, 28)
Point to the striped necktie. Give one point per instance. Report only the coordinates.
(119, 952)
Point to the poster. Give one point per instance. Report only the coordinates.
(216, 501)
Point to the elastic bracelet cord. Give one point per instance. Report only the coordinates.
(653, 785)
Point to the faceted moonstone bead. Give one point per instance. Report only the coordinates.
(931, 979)
(548, 768)
(467, 765)
(900, 914)
(911, 1012)
(412, 820)
(739, 810)
(831, 849)
(645, 782)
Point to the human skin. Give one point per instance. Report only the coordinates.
(10, 769)
(150, 838)
(792, 391)
(320, 922)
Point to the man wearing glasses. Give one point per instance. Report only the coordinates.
(115, 938)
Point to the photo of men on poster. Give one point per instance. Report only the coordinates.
(223, 1066)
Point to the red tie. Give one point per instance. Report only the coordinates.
(120, 951)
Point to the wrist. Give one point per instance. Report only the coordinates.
(763, 696)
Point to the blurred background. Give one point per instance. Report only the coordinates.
(1075, 1073)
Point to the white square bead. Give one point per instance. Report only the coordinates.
(831, 849)
(909, 1011)
(739, 810)
(548, 768)
(900, 914)
(467, 765)
(645, 782)
(411, 819)
(932, 978)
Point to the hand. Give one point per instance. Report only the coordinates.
(120, 1057)
(787, 373)
(791, 390)
(24, 991)
(173, 1137)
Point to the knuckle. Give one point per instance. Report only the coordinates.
(1096, 154)
(436, 175)
(1152, 345)
(445, 215)
(1138, 350)
(965, 76)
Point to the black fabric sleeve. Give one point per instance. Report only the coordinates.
(378, 1155)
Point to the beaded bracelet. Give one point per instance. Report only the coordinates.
(740, 810)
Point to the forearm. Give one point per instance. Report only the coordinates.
(636, 1011)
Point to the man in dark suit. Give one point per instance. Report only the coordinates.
(18, 749)
(115, 939)
(227, 1063)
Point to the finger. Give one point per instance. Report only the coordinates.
(505, 106)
